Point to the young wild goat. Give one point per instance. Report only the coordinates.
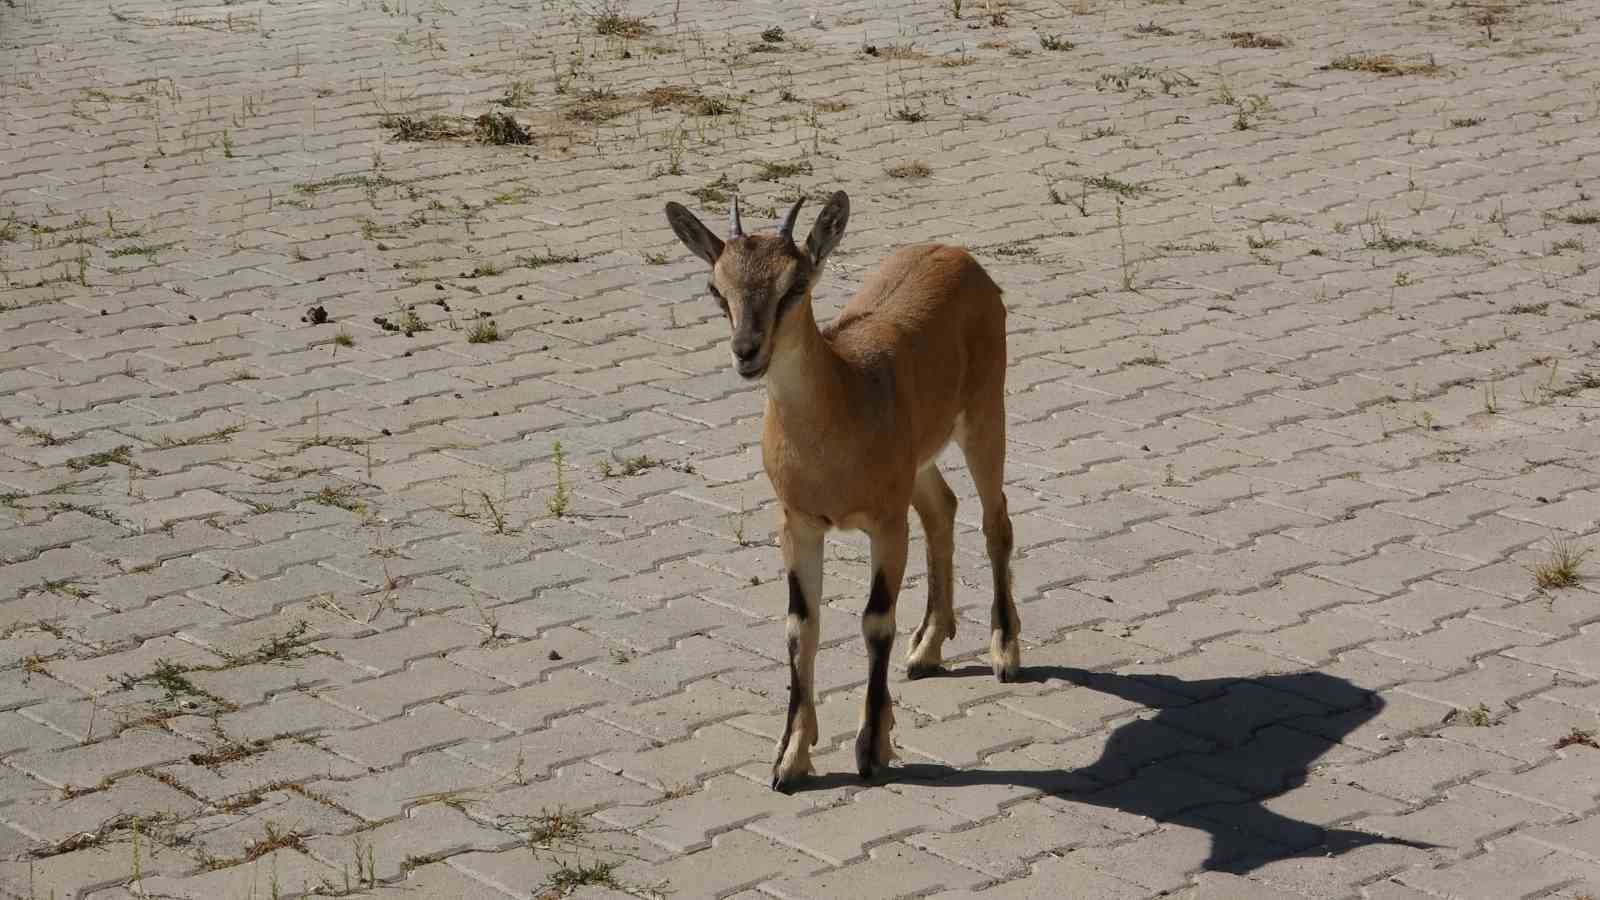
(856, 416)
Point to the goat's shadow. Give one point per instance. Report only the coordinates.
(1211, 758)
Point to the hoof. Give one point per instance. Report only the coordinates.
(868, 764)
(1006, 657)
(869, 768)
(1007, 672)
(922, 670)
(790, 769)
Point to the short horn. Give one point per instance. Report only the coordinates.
(787, 230)
(735, 227)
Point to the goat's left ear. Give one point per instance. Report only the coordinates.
(828, 229)
(695, 235)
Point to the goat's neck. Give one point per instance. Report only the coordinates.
(807, 383)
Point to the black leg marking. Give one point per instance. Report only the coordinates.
(1000, 615)
(878, 650)
(1004, 622)
(878, 600)
(797, 601)
(879, 605)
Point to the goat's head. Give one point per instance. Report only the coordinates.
(758, 279)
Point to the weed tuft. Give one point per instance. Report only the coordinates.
(518, 94)
(1391, 243)
(561, 499)
(167, 675)
(273, 839)
(406, 322)
(43, 438)
(611, 20)
(1383, 64)
(568, 877)
(1560, 568)
(912, 169)
(631, 466)
(1252, 40)
(1154, 29)
(145, 250)
(552, 829)
(1115, 185)
(483, 331)
(547, 258)
(422, 128)
(340, 497)
(218, 436)
(594, 106)
(775, 171)
(118, 454)
(278, 648)
(1577, 737)
(500, 129)
(229, 752)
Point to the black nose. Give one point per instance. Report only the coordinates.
(746, 349)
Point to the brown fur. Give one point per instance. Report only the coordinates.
(855, 410)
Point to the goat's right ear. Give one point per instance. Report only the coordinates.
(696, 236)
(828, 228)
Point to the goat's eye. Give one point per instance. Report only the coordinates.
(721, 301)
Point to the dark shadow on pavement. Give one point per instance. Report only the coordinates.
(1215, 752)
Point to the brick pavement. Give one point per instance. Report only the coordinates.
(1298, 397)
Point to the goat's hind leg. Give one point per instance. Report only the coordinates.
(983, 442)
(935, 504)
(802, 554)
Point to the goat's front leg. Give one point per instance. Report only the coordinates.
(873, 749)
(802, 555)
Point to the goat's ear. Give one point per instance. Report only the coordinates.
(828, 229)
(696, 236)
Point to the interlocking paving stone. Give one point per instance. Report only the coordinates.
(1463, 819)
(1301, 385)
(1513, 866)
(890, 870)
